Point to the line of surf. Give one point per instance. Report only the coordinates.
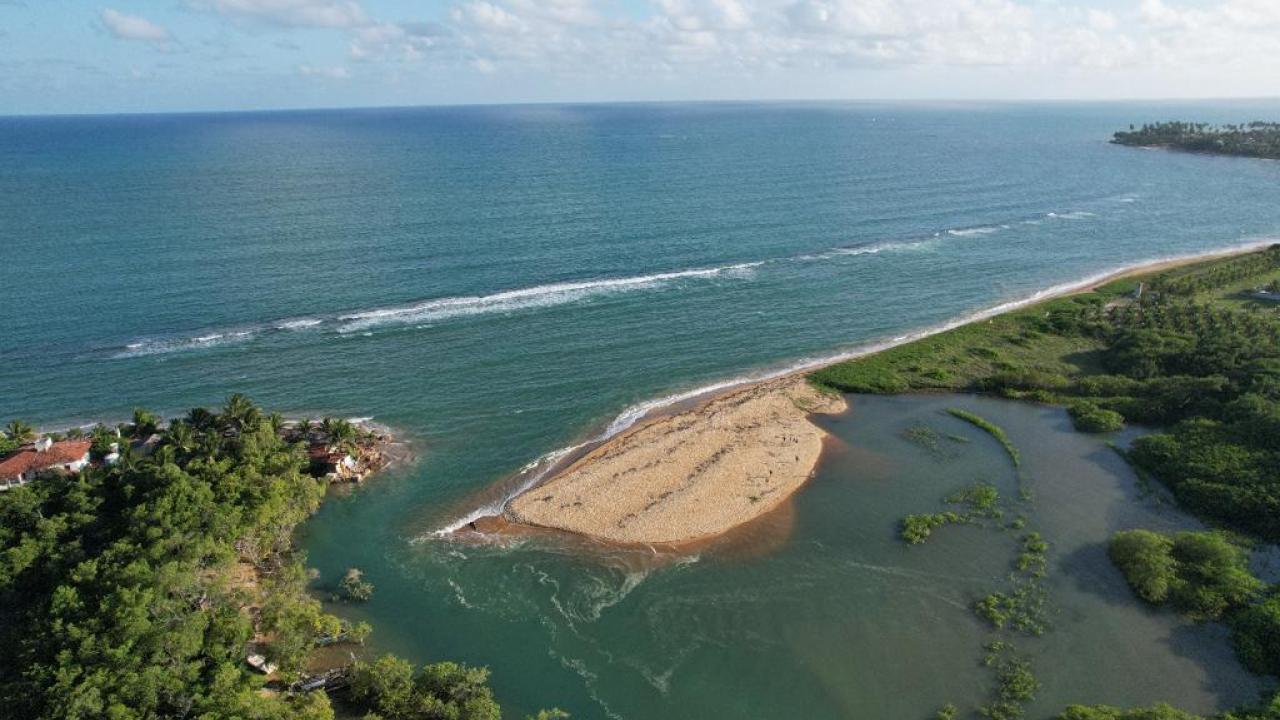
(537, 296)
(433, 310)
(536, 471)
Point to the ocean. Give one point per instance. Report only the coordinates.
(501, 283)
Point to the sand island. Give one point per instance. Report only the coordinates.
(691, 475)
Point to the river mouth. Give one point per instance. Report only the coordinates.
(821, 609)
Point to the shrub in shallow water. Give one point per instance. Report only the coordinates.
(1103, 712)
(992, 429)
(1201, 574)
(917, 528)
(1255, 632)
(355, 587)
(1087, 417)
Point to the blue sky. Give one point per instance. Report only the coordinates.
(68, 56)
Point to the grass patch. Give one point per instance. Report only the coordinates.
(992, 429)
(917, 528)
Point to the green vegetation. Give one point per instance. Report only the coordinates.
(1087, 417)
(1160, 712)
(1255, 139)
(926, 437)
(1255, 632)
(1102, 712)
(1172, 357)
(1032, 559)
(917, 528)
(947, 712)
(118, 588)
(14, 435)
(1201, 574)
(354, 587)
(931, 440)
(1023, 608)
(992, 429)
(136, 590)
(1175, 349)
(1015, 685)
(981, 499)
(392, 690)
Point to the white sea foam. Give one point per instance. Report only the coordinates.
(871, 249)
(1074, 215)
(298, 324)
(970, 232)
(537, 470)
(143, 348)
(524, 298)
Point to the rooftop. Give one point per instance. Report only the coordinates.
(27, 458)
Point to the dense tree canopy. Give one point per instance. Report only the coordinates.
(117, 596)
(1200, 573)
(1255, 139)
(134, 590)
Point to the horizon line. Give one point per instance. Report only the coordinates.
(601, 103)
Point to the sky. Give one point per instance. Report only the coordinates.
(87, 56)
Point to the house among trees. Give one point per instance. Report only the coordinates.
(335, 464)
(43, 455)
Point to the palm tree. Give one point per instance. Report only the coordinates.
(181, 437)
(145, 422)
(339, 431)
(200, 418)
(240, 413)
(20, 431)
(303, 429)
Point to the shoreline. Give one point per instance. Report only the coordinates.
(692, 406)
(366, 448)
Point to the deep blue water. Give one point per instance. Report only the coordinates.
(500, 282)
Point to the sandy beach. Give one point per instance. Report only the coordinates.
(690, 475)
(697, 473)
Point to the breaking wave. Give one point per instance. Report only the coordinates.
(143, 348)
(532, 297)
(426, 312)
(981, 230)
(435, 310)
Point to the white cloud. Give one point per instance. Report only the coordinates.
(1101, 20)
(572, 37)
(290, 13)
(133, 27)
(707, 42)
(337, 72)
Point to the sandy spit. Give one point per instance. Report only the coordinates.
(690, 475)
(696, 474)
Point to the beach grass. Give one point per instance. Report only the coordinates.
(991, 429)
(959, 359)
(1019, 342)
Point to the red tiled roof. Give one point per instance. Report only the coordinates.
(27, 459)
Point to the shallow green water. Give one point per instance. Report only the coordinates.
(818, 610)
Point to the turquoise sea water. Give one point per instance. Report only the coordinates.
(499, 283)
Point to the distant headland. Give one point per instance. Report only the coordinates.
(1256, 139)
